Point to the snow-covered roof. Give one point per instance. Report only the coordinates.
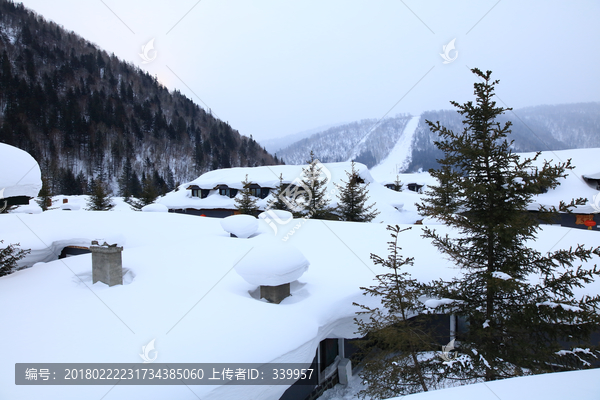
(242, 226)
(389, 203)
(180, 289)
(20, 174)
(272, 264)
(586, 162)
(591, 176)
(573, 186)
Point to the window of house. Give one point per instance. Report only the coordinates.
(228, 192)
(194, 192)
(329, 351)
(204, 193)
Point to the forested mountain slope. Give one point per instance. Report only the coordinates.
(80, 112)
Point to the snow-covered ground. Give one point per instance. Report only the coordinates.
(181, 289)
(580, 385)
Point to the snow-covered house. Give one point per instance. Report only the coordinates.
(197, 309)
(593, 180)
(20, 177)
(583, 181)
(213, 193)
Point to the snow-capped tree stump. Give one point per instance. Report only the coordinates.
(107, 265)
(272, 267)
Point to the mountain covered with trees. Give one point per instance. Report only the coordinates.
(83, 113)
(539, 128)
(368, 141)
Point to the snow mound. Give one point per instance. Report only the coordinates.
(501, 275)
(70, 207)
(435, 303)
(28, 209)
(580, 385)
(280, 216)
(272, 264)
(242, 226)
(155, 208)
(21, 175)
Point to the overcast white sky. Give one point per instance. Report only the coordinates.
(273, 68)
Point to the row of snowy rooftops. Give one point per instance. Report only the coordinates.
(215, 189)
(583, 181)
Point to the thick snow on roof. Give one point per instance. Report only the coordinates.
(242, 226)
(155, 208)
(20, 174)
(573, 186)
(389, 203)
(272, 264)
(180, 289)
(580, 385)
(586, 161)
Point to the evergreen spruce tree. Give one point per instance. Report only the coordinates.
(314, 182)
(399, 357)
(353, 196)
(9, 256)
(136, 185)
(44, 199)
(247, 203)
(519, 303)
(148, 194)
(100, 199)
(125, 181)
(398, 184)
(275, 201)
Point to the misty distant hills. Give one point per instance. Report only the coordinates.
(544, 127)
(275, 144)
(539, 128)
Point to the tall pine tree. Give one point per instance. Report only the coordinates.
(353, 196)
(275, 201)
(519, 303)
(314, 182)
(44, 199)
(99, 199)
(247, 203)
(399, 350)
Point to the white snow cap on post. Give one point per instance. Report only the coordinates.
(243, 226)
(20, 174)
(274, 264)
(155, 208)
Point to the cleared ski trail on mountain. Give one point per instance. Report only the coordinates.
(400, 155)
